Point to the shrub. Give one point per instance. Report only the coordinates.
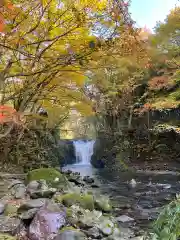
(167, 226)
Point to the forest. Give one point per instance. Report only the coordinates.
(73, 70)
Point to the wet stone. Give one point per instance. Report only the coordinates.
(124, 219)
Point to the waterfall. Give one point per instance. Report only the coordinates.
(83, 151)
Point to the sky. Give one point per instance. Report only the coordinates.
(148, 12)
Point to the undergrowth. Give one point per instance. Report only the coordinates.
(167, 226)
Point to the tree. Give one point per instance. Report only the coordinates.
(164, 64)
(120, 70)
(45, 46)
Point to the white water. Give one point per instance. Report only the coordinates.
(83, 151)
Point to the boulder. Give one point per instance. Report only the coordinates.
(10, 225)
(40, 189)
(50, 175)
(85, 201)
(17, 189)
(47, 222)
(106, 227)
(102, 204)
(71, 235)
(11, 209)
(43, 193)
(75, 179)
(88, 179)
(89, 219)
(94, 233)
(28, 215)
(33, 203)
(33, 186)
(72, 216)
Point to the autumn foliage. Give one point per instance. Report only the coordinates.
(6, 114)
(160, 82)
(47, 47)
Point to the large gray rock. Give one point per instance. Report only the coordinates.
(71, 235)
(17, 189)
(10, 225)
(33, 186)
(94, 233)
(76, 179)
(33, 203)
(29, 214)
(40, 189)
(102, 204)
(43, 193)
(47, 222)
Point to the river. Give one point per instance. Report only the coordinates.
(139, 195)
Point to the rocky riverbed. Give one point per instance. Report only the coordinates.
(47, 204)
(66, 205)
(140, 194)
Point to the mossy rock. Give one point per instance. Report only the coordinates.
(69, 212)
(103, 205)
(58, 198)
(51, 176)
(11, 209)
(6, 237)
(85, 201)
(72, 217)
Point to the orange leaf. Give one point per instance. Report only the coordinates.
(10, 6)
(1, 24)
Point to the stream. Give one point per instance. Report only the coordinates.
(136, 197)
(139, 195)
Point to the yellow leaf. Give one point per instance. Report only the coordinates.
(44, 2)
(84, 109)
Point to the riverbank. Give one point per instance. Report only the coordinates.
(49, 204)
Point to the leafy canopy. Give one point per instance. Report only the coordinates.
(45, 47)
